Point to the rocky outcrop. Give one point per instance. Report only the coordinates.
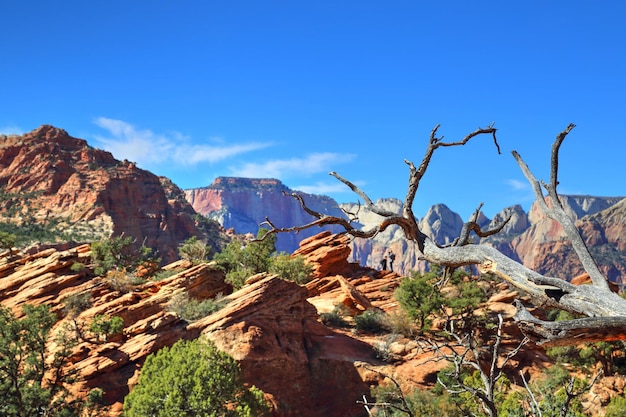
(74, 191)
(269, 326)
(244, 203)
(274, 332)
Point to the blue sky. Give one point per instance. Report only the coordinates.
(292, 90)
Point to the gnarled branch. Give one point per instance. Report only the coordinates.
(605, 309)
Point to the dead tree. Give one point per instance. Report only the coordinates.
(466, 350)
(604, 311)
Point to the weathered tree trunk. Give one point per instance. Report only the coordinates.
(605, 310)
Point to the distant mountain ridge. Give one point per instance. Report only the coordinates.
(243, 204)
(529, 238)
(73, 191)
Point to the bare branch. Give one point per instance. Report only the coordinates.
(534, 405)
(594, 301)
(404, 406)
(555, 156)
(472, 225)
(416, 174)
(557, 213)
(568, 332)
(571, 394)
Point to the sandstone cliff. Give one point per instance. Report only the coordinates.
(271, 327)
(243, 204)
(63, 189)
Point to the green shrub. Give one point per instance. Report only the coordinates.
(616, 407)
(192, 309)
(291, 268)
(104, 326)
(194, 250)
(193, 378)
(371, 321)
(77, 267)
(335, 318)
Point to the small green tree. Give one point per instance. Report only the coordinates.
(193, 378)
(25, 362)
(291, 268)
(7, 242)
(194, 250)
(118, 252)
(419, 297)
(241, 260)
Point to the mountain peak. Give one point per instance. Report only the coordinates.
(241, 183)
(74, 191)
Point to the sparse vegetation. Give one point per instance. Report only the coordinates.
(76, 303)
(164, 273)
(193, 378)
(194, 250)
(104, 326)
(120, 280)
(32, 379)
(335, 318)
(371, 321)
(190, 309)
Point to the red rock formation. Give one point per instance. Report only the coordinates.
(327, 253)
(268, 326)
(271, 327)
(307, 369)
(50, 178)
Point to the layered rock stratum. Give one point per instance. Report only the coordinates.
(272, 327)
(76, 192)
(243, 204)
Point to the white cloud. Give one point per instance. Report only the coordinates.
(206, 153)
(11, 130)
(518, 185)
(324, 188)
(147, 147)
(127, 142)
(281, 168)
